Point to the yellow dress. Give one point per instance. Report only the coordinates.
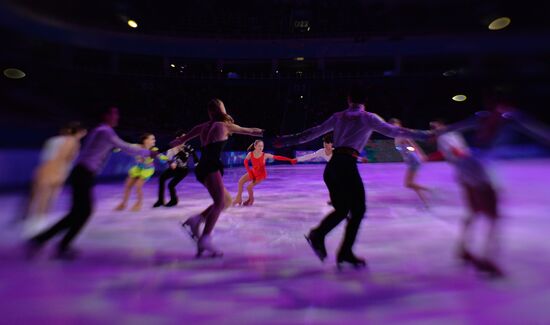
(145, 167)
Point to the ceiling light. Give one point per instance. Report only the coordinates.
(500, 23)
(459, 98)
(132, 23)
(14, 73)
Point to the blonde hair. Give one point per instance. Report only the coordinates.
(253, 145)
(216, 114)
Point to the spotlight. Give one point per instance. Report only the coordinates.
(300, 58)
(173, 65)
(449, 73)
(459, 98)
(500, 23)
(14, 73)
(301, 96)
(132, 23)
(276, 71)
(410, 148)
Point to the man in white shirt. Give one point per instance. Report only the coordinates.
(324, 153)
(352, 129)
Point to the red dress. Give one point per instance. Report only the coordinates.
(258, 172)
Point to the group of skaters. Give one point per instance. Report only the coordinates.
(345, 133)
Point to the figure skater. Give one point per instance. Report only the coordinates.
(213, 136)
(480, 195)
(352, 129)
(324, 153)
(99, 144)
(140, 173)
(56, 160)
(413, 156)
(177, 171)
(257, 173)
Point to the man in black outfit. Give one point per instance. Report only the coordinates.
(177, 170)
(352, 129)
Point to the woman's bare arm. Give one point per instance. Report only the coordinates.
(234, 128)
(195, 132)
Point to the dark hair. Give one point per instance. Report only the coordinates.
(72, 128)
(327, 138)
(251, 147)
(394, 120)
(215, 112)
(144, 137)
(358, 94)
(106, 110)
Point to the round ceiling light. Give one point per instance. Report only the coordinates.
(14, 73)
(500, 23)
(459, 98)
(132, 23)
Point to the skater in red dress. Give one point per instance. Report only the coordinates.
(257, 173)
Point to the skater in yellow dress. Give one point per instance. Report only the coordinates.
(140, 173)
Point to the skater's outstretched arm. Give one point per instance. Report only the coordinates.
(472, 122)
(307, 135)
(280, 158)
(310, 156)
(129, 148)
(392, 131)
(529, 126)
(195, 132)
(234, 128)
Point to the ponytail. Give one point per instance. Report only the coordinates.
(253, 145)
(216, 114)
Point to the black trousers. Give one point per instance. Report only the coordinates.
(177, 174)
(82, 183)
(347, 194)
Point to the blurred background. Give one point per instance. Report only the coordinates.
(280, 65)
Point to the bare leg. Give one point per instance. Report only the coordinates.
(139, 191)
(250, 189)
(216, 188)
(222, 199)
(127, 189)
(238, 198)
(35, 212)
(192, 224)
(410, 177)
